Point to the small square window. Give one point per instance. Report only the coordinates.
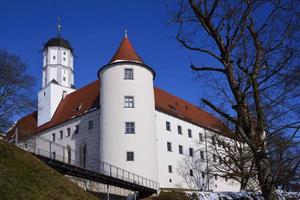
(169, 146)
(128, 102)
(91, 124)
(130, 156)
(191, 152)
(128, 74)
(64, 78)
(170, 169)
(54, 57)
(61, 134)
(200, 137)
(76, 129)
(129, 128)
(190, 133)
(168, 126)
(44, 94)
(179, 130)
(68, 132)
(64, 59)
(170, 180)
(180, 149)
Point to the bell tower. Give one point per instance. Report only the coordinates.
(57, 75)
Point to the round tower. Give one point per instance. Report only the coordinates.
(127, 121)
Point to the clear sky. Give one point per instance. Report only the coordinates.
(95, 29)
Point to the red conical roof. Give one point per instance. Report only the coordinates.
(126, 52)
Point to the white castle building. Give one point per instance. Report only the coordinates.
(121, 119)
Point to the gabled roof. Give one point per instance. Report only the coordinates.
(86, 99)
(126, 52)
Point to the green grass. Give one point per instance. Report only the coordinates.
(22, 176)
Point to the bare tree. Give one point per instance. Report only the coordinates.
(15, 89)
(255, 48)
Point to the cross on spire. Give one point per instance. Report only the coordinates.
(125, 32)
(58, 26)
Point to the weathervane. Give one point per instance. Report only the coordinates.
(125, 32)
(58, 26)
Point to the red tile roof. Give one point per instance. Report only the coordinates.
(86, 99)
(126, 52)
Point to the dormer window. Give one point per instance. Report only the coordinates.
(128, 74)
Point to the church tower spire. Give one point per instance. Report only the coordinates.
(57, 75)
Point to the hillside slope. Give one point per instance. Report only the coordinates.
(22, 176)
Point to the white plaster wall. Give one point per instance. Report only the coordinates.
(114, 142)
(47, 104)
(87, 136)
(176, 160)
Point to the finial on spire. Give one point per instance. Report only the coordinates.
(126, 33)
(58, 26)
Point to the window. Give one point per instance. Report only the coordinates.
(202, 155)
(170, 180)
(191, 172)
(44, 93)
(191, 152)
(130, 156)
(200, 137)
(213, 141)
(53, 137)
(64, 53)
(128, 74)
(128, 102)
(54, 57)
(214, 158)
(190, 133)
(179, 130)
(170, 168)
(91, 124)
(168, 126)
(129, 128)
(61, 134)
(64, 58)
(203, 174)
(68, 132)
(169, 146)
(180, 149)
(53, 155)
(64, 78)
(76, 129)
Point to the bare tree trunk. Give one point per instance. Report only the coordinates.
(265, 176)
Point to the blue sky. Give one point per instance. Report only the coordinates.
(95, 29)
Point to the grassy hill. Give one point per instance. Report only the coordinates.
(22, 176)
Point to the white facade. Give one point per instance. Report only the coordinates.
(126, 122)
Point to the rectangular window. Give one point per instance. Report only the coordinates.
(76, 129)
(61, 134)
(169, 146)
(202, 155)
(129, 128)
(53, 137)
(91, 124)
(200, 137)
(64, 58)
(191, 172)
(191, 152)
(54, 57)
(179, 130)
(68, 132)
(190, 133)
(168, 126)
(128, 74)
(180, 149)
(213, 140)
(214, 158)
(64, 78)
(203, 174)
(170, 168)
(130, 156)
(128, 102)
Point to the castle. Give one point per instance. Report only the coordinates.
(121, 119)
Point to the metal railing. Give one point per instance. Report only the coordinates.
(46, 148)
